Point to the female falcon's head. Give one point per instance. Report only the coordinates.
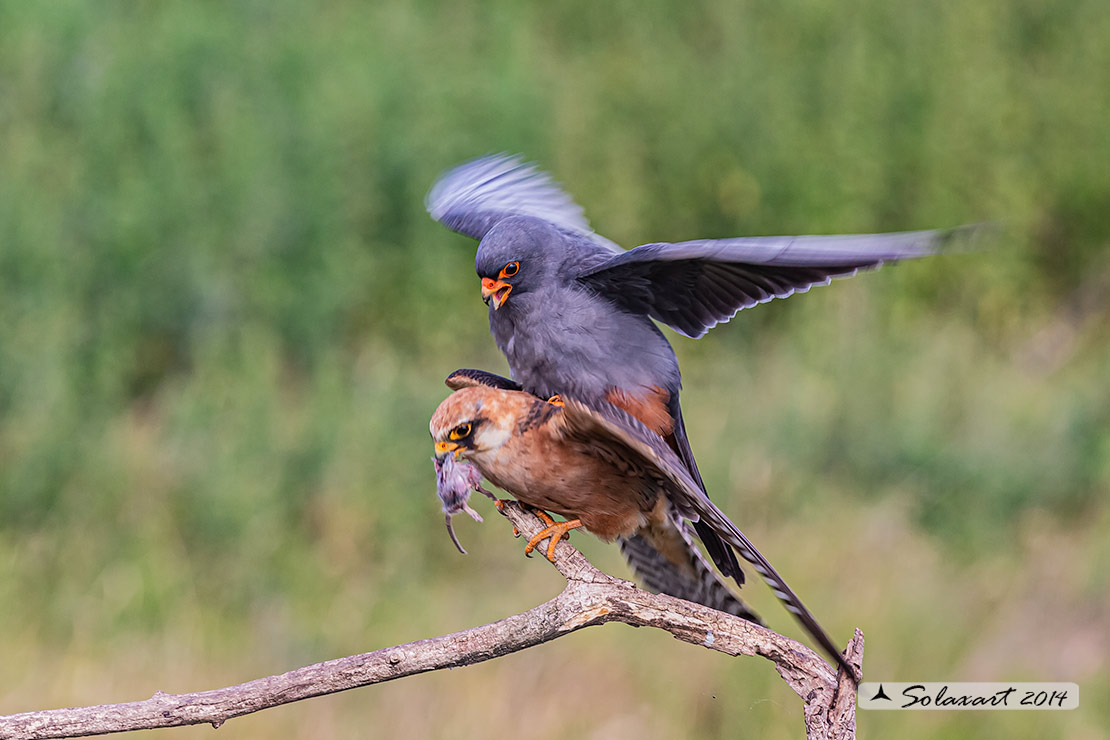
(518, 255)
(474, 421)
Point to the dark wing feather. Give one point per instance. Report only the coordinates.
(693, 286)
(721, 553)
(467, 378)
(630, 438)
(474, 196)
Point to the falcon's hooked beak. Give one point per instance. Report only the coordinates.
(444, 448)
(498, 290)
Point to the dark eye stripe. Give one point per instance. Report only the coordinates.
(464, 431)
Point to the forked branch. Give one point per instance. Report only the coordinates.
(590, 598)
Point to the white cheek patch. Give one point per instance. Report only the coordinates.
(492, 438)
(488, 452)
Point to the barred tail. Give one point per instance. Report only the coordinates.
(652, 555)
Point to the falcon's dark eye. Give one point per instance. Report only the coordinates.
(510, 269)
(463, 430)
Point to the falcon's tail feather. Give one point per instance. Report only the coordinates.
(693, 581)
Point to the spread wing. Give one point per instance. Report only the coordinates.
(468, 378)
(692, 286)
(627, 438)
(474, 196)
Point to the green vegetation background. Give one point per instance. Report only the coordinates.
(225, 319)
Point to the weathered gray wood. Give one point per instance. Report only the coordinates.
(590, 598)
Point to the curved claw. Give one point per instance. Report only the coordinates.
(556, 531)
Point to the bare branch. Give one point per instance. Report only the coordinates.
(590, 598)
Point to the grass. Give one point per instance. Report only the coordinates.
(225, 319)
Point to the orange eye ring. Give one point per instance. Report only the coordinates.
(509, 270)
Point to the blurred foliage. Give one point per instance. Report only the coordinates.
(225, 319)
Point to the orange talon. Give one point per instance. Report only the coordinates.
(499, 503)
(556, 400)
(544, 517)
(556, 531)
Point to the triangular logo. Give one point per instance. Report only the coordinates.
(880, 694)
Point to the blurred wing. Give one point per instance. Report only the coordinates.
(626, 438)
(467, 378)
(474, 196)
(693, 286)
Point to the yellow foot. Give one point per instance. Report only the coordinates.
(556, 531)
(556, 400)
